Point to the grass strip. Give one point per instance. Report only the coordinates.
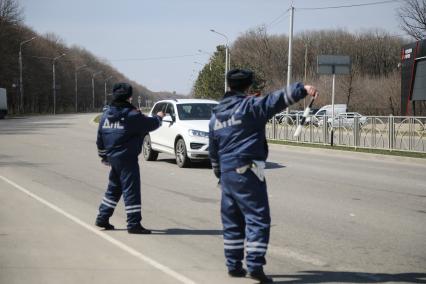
(353, 149)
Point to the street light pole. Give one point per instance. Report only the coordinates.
(76, 83)
(54, 81)
(290, 46)
(106, 80)
(290, 50)
(93, 88)
(227, 61)
(21, 80)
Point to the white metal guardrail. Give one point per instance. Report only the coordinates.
(402, 133)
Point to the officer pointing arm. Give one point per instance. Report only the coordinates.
(119, 141)
(238, 151)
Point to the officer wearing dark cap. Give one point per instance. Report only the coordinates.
(238, 151)
(119, 141)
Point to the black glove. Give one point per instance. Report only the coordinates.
(105, 161)
(216, 172)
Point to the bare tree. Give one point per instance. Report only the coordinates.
(10, 11)
(413, 18)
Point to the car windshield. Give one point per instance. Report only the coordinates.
(196, 111)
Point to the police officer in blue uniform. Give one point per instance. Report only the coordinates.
(119, 141)
(238, 150)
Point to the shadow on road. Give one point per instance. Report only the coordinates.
(203, 164)
(16, 117)
(192, 232)
(179, 232)
(349, 277)
(8, 161)
(272, 165)
(30, 128)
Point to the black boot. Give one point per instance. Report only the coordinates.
(240, 272)
(104, 224)
(260, 276)
(139, 229)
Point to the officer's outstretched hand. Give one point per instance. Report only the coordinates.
(161, 114)
(311, 90)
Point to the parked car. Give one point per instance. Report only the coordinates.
(291, 116)
(183, 133)
(314, 111)
(346, 119)
(326, 111)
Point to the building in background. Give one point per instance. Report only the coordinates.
(413, 78)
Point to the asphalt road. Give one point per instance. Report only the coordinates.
(337, 217)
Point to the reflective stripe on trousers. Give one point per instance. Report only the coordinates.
(245, 216)
(124, 179)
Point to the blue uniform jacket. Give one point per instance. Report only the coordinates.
(121, 132)
(237, 126)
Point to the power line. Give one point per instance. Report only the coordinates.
(280, 21)
(285, 14)
(349, 6)
(135, 59)
(273, 22)
(156, 58)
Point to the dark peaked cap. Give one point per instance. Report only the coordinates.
(239, 78)
(121, 91)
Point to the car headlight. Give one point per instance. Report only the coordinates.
(198, 133)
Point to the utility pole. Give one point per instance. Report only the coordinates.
(93, 89)
(21, 80)
(105, 99)
(306, 67)
(54, 81)
(227, 56)
(290, 48)
(76, 84)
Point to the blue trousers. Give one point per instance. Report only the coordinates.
(245, 217)
(124, 179)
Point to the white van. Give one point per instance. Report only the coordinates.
(327, 111)
(3, 103)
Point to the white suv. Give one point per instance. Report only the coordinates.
(183, 133)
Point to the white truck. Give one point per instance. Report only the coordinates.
(3, 103)
(326, 111)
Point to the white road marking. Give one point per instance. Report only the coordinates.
(106, 237)
(289, 253)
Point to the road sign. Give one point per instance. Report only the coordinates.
(334, 64)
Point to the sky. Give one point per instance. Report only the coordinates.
(156, 42)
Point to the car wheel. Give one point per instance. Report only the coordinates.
(182, 159)
(147, 152)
